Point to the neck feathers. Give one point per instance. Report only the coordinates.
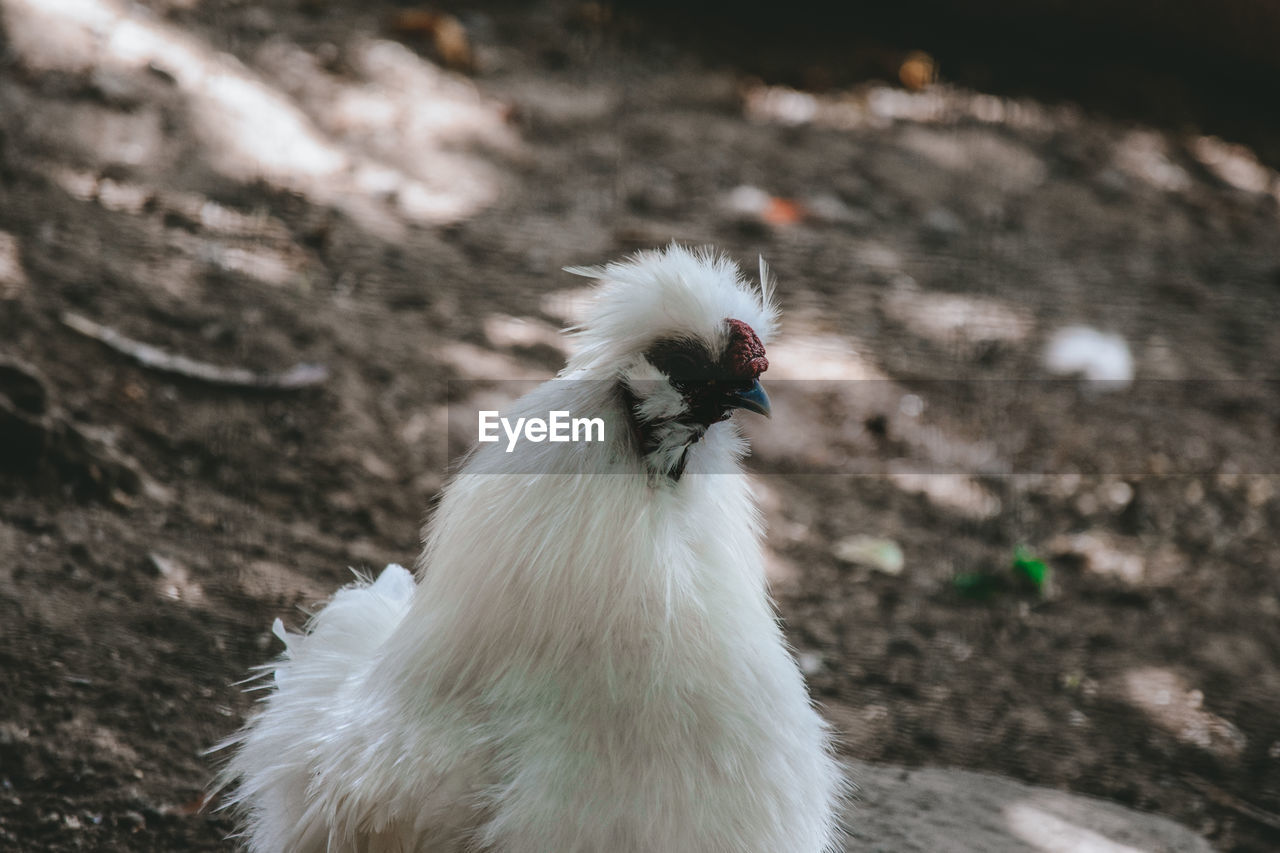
(664, 443)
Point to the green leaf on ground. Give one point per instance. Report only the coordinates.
(1029, 567)
(1026, 570)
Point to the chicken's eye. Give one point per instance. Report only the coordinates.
(683, 361)
(681, 366)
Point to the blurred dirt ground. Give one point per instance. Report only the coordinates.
(391, 195)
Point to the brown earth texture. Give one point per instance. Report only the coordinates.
(196, 197)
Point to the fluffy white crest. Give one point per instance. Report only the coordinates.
(667, 293)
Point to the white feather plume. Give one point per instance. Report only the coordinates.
(674, 292)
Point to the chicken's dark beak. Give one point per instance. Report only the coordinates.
(752, 398)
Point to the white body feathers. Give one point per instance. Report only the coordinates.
(589, 662)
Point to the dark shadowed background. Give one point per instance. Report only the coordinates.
(245, 247)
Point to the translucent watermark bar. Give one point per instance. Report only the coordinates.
(977, 428)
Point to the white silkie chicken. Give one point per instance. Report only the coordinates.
(589, 661)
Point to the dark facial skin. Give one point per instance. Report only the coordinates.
(708, 387)
(712, 385)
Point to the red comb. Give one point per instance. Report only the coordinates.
(744, 357)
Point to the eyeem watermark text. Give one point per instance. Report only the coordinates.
(558, 426)
(987, 429)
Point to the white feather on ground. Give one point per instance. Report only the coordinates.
(1098, 357)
